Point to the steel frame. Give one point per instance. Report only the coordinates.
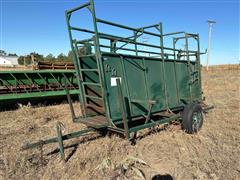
(122, 126)
(113, 49)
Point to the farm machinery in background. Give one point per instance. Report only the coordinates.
(17, 86)
(43, 80)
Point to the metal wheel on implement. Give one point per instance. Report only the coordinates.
(192, 118)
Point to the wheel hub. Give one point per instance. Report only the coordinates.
(196, 120)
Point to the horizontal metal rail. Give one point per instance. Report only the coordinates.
(154, 123)
(29, 96)
(121, 39)
(138, 29)
(127, 49)
(140, 51)
(78, 8)
(127, 27)
(150, 26)
(55, 139)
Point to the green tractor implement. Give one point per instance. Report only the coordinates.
(17, 86)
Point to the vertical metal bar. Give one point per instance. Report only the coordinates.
(99, 60)
(163, 64)
(135, 39)
(69, 99)
(189, 66)
(123, 108)
(145, 79)
(175, 71)
(198, 61)
(60, 141)
(174, 48)
(113, 46)
(125, 80)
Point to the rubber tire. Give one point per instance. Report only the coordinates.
(187, 115)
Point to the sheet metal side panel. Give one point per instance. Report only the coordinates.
(137, 86)
(135, 83)
(196, 89)
(171, 84)
(155, 83)
(112, 65)
(183, 81)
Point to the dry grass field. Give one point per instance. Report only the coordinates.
(213, 153)
(17, 68)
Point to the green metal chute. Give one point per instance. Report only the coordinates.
(124, 87)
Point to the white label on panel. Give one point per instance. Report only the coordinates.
(114, 81)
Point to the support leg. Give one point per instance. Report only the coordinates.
(60, 140)
(124, 114)
(69, 100)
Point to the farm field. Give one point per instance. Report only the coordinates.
(213, 153)
(17, 68)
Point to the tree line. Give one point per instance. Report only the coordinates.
(3, 53)
(35, 57)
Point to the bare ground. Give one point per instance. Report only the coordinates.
(213, 153)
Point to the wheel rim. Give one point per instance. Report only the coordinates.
(196, 121)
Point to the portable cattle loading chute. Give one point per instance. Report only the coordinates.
(125, 88)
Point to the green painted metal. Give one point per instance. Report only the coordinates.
(22, 96)
(123, 108)
(134, 80)
(60, 140)
(36, 84)
(170, 80)
(55, 139)
(124, 87)
(154, 123)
